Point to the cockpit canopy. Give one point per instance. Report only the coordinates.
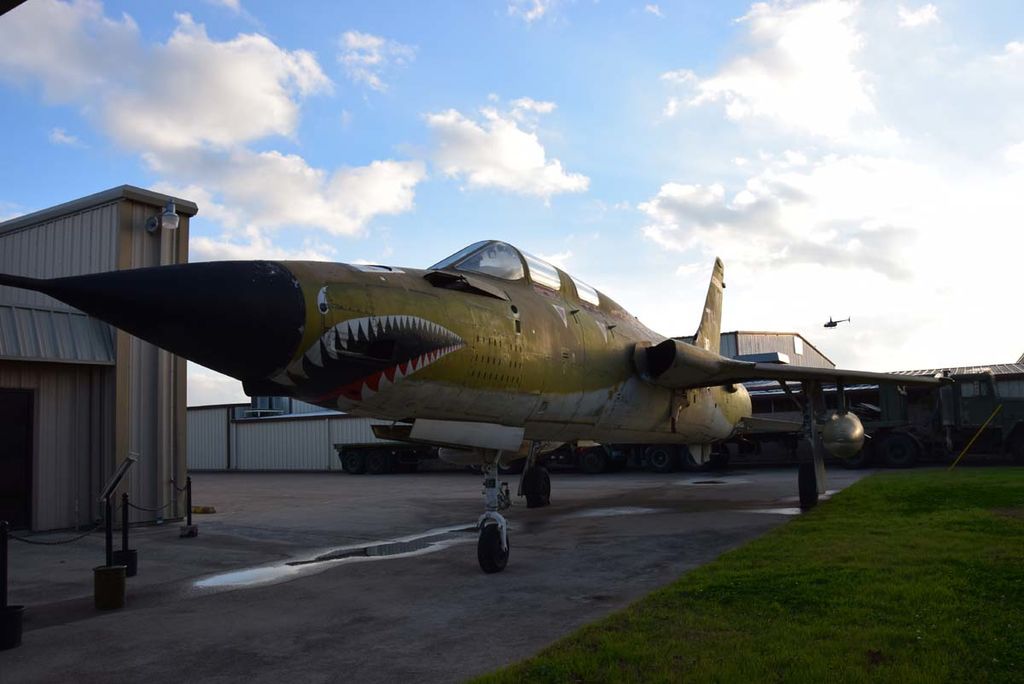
(502, 260)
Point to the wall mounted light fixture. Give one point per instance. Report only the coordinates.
(167, 220)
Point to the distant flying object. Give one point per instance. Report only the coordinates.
(488, 354)
(834, 324)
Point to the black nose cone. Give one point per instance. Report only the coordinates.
(242, 318)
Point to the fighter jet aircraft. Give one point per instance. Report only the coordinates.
(487, 354)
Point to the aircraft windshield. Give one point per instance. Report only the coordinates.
(461, 254)
(490, 258)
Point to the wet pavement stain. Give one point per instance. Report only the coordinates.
(403, 547)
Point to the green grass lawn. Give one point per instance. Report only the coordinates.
(913, 576)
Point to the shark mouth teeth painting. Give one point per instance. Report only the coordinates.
(359, 357)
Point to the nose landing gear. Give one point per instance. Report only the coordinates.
(492, 548)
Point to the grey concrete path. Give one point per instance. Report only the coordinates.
(225, 607)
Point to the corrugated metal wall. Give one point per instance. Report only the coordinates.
(282, 445)
(208, 438)
(762, 342)
(73, 432)
(271, 443)
(84, 242)
(140, 401)
(302, 407)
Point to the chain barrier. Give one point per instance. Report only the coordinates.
(177, 488)
(42, 542)
(150, 510)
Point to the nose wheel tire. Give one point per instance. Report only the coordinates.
(489, 552)
(537, 487)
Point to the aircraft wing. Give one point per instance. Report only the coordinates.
(680, 365)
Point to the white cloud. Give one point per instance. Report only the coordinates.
(559, 259)
(69, 48)
(1015, 153)
(58, 136)
(854, 212)
(496, 152)
(527, 105)
(199, 91)
(653, 9)
(233, 5)
(529, 10)
(366, 57)
(255, 244)
(922, 16)
(275, 190)
(205, 387)
(189, 106)
(187, 92)
(800, 75)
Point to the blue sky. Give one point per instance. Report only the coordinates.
(844, 158)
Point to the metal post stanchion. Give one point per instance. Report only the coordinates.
(188, 529)
(124, 521)
(3, 564)
(109, 529)
(129, 558)
(10, 616)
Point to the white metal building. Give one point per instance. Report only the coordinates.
(782, 347)
(222, 438)
(76, 396)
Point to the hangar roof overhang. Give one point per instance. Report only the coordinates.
(28, 334)
(129, 192)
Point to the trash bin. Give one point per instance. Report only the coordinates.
(10, 626)
(109, 586)
(129, 559)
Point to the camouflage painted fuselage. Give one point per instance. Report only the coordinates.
(404, 344)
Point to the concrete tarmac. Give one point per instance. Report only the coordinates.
(227, 606)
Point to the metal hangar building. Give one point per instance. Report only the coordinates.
(76, 395)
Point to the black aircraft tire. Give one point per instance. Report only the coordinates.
(899, 450)
(513, 468)
(662, 459)
(489, 554)
(377, 463)
(719, 457)
(689, 463)
(808, 485)
(537, 487)
(354, 462)
(594, 461)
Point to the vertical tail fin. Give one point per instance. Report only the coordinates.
(709, 333)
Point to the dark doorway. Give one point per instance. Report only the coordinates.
(16, 457)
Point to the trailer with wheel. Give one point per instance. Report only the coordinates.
(379, 458)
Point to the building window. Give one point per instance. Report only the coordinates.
(1011, 389)
(798, 345)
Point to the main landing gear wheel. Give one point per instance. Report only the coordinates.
(807, 482)
(492, 555)
(537, 487)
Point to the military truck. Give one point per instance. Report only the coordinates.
(984, 403)
(911, 425)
